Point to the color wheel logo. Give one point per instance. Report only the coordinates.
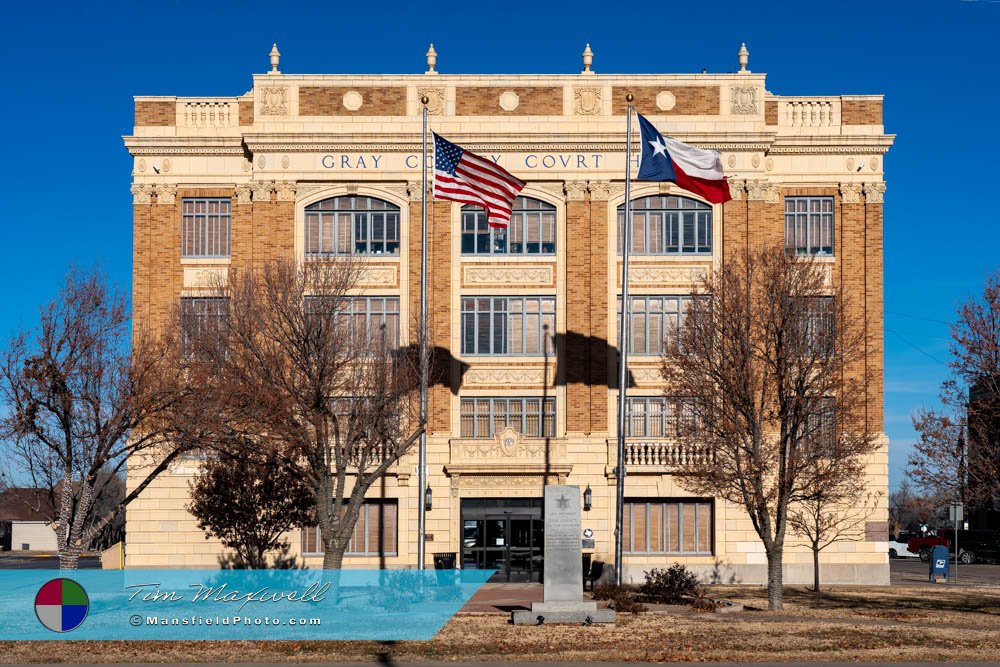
(61, 605)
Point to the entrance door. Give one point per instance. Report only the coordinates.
(505, 535)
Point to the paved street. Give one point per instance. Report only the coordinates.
(912, 572)
(37, 560)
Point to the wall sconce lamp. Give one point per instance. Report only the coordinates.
(428, 504)
(588, 498)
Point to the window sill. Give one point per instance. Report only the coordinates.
(509, 258)
(195, 261)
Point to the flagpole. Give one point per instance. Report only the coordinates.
(424, 360)
(623, 348)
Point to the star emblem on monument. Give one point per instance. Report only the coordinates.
(563, 502)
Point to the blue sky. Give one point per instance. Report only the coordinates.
(72, 69)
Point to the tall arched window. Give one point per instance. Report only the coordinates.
(352, 225)
(668, 225)
(532, 230)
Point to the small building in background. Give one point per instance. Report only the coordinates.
(26, 520)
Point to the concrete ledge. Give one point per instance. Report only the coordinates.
(839, 574)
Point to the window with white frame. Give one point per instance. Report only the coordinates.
(660, 416)
(653, 321)
(202, 323)
(351, 225)
(667, 225)
(532, 230)
(371, 321)
(485, 417)
(508, 325)
(809, 226)
(375, 533)
(657, 526)
(206, 227)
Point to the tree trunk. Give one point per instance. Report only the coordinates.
(69, 558)
(333, 559)
(815, 570)
(774, 581)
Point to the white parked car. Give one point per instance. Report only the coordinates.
(897, 549)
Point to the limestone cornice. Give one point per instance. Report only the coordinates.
(184, 145)
(877, 144)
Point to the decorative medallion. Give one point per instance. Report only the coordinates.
(509, 100)
(769, 164)
(732, 161)
(755, 161)
(435, 100)
(274, 101)
(743, 99)
(142, 165)
(873, 163)
(665, 100)
(587, 101)
(261, 161)
(352, 100)
(850, 164)
(165, 165)
(285, 162)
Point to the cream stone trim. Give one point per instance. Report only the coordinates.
(640, 274)
(205, 277)
(763, 191)
(286, 191)
(141, 194)
(576, 190)
(261, 190)
(737, 188)
(850, 193)
(874, 193)
(385, 277)
(243, 193)
(166, 194)
(534, 276)
(532, 376)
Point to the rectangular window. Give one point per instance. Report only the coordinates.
(509, 325)
(206, 227)
(352, 225)
(820, 427)
(202, 322)
(815, 321)
(366, 318)
(657, 526)
(809, 226)
(660, 417)
(374, 533)
(485, 417)
(531, 231)
(653, 321)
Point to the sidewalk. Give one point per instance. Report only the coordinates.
(493, 598)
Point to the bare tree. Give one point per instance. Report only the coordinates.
(958, 455)
(293, 369)
(768, 358)
(907, 510)
(81, 401)
(249, 503)
(835, 512)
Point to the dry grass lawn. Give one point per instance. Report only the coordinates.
(858, 624)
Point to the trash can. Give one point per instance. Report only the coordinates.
(445, 561)
(939, 563)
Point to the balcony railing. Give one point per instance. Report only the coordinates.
(659, 456)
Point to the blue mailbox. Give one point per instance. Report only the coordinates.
(939, 562)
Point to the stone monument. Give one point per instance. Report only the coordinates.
(563, 566)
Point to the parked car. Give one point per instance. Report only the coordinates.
(899, 548)
(975, 545)
(922, 545)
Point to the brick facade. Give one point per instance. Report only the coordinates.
(689, 100)
(305, 144)
(329, 101)
(531, 101)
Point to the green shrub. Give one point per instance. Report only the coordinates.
(670, 586)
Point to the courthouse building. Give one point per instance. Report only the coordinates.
(312, 166)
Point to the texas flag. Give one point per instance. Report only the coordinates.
(695, 169)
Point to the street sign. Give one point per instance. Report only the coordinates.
(956, 512)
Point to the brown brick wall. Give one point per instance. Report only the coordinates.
(874, 332)
(735, 228)
(861, 112)
(578, 320)
(242, 239)
(532, 101)
(155, 114)
(246, 112)
(141, 249)
(164, 273)
(771, 112)
(600, 330)
(274, 231)
(439, 321)
(851, 262)
(329, 101)
(691, 100)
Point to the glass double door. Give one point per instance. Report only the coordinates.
(510, 542)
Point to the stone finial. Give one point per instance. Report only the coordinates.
(744, 57)
(275, 58)
(432, 58)
(588, 59)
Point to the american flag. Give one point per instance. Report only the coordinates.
(469, 179)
